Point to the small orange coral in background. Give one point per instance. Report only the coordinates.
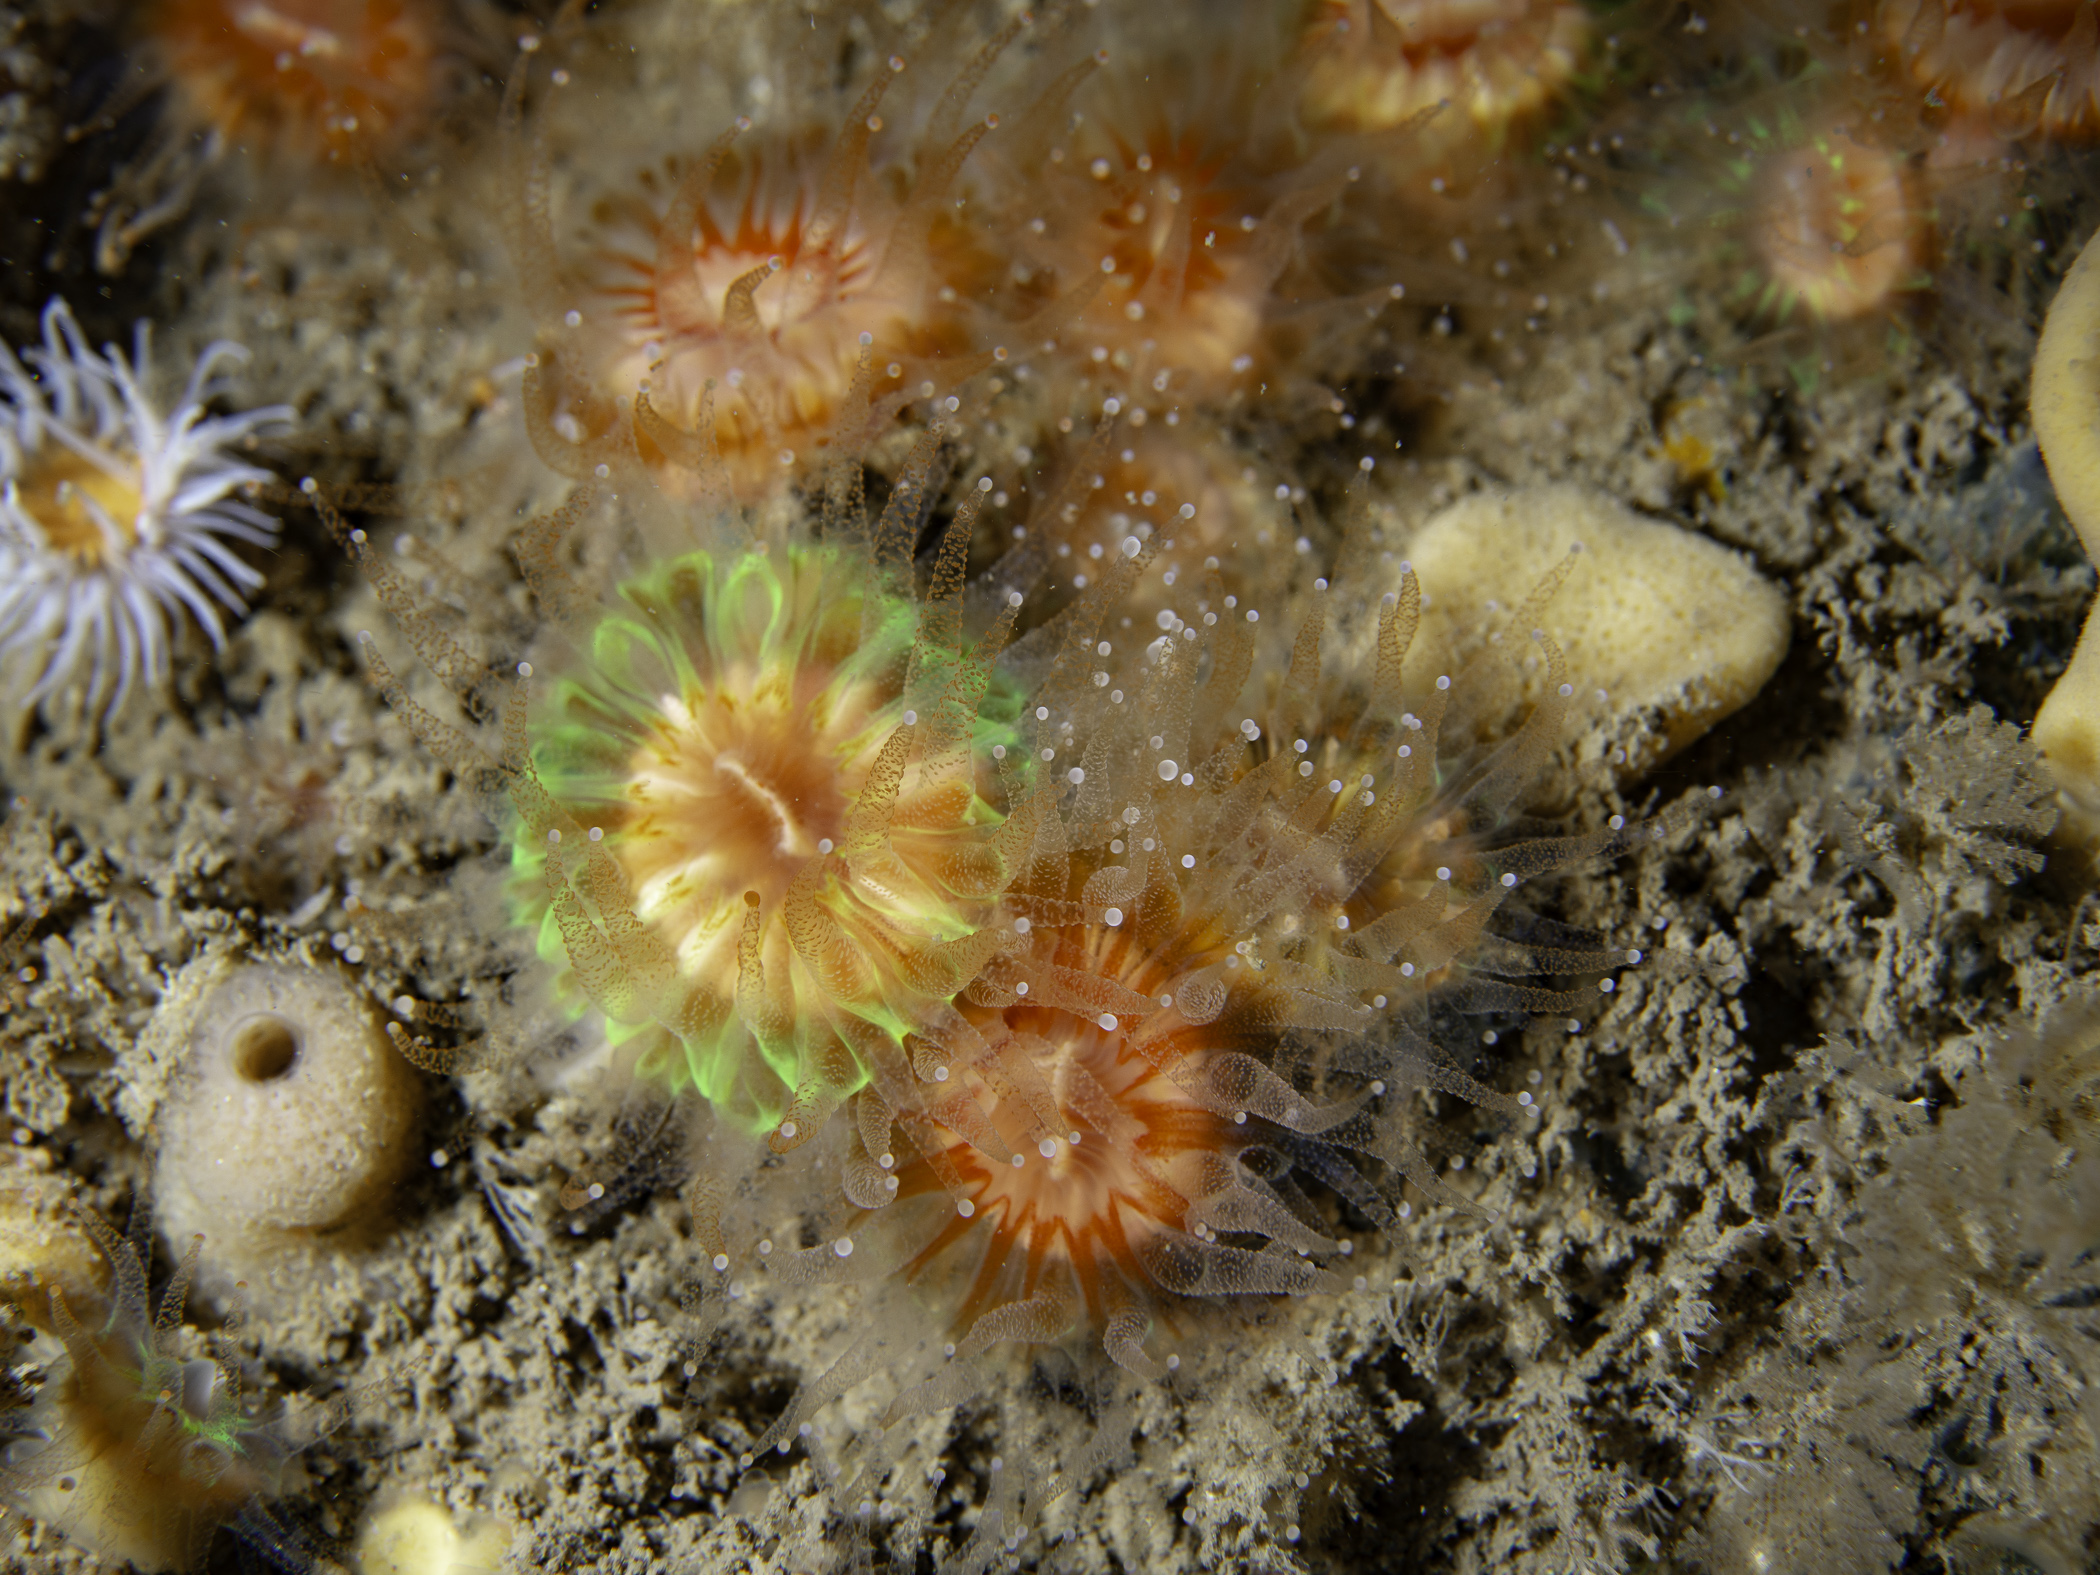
(1483, 65)
(743, 289)
(2025, 66)
(1835, 226)
(1154, 226)
(316, 74)
(1182, 486)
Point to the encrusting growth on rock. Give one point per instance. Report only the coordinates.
(1672, 631)
(2065, 407)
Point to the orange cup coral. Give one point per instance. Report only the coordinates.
(1835, 227)
(2026, 66)
(320, 74)
(1481, 67)
(1215, 878)
(1152, 206)
(747, 287)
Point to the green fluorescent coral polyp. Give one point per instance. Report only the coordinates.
(169, 1381)
(716, 740)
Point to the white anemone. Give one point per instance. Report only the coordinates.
(113, 517)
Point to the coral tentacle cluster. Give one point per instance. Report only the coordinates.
(113, 517)
(1229, 931)
(2025, 66)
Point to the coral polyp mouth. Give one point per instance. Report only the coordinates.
(734, 793)
(727, 722)
(1086, 1211)
(86, 511)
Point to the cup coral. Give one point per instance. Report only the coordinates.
(738, 285)
(113, 516)
(773, 752)
(1834, 226)
(1460, 71)
(1053, 1019)
(1218, 876)
(1158, 481)
(1245, 887)
(134, 1452)
(750, 821)
(285, 1127)
(317, 74)
(1151, 224)
(2024, 66)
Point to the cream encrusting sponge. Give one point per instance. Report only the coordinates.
(1678, 631)
(286, 1127)
(2065, 403)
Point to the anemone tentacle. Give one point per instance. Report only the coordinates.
(115, 518)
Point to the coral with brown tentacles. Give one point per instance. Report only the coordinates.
(739, 286)
(1219, 924)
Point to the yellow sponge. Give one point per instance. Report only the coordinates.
(286, 1128)
(2065, 403)
(1677, 630)
(415, 1537)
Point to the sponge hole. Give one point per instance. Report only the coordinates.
(264, 1049)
